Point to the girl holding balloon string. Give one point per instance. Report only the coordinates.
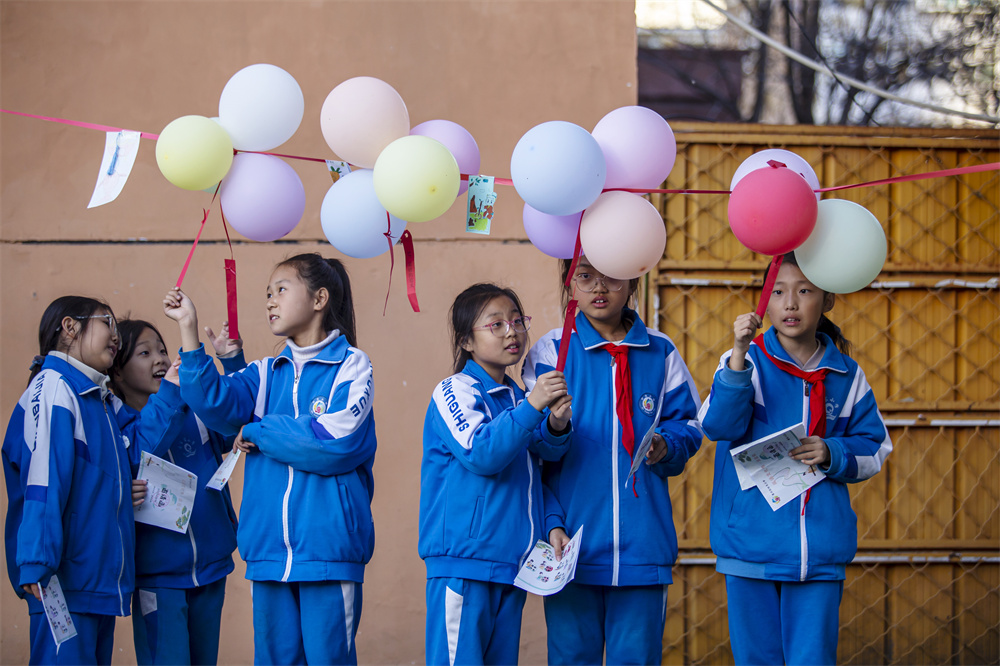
(629, 384)
(785, 568)
(304, 420)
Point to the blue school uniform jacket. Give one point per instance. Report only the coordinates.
(481, 497)
(628, 536)
(307, 489)
(202, 555)
(802, 540)
(66, 459)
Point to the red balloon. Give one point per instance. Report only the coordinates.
(772, 211)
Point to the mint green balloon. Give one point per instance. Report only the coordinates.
(845, 251)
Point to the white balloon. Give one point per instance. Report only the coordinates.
(353, 219)
(261, 107)
(786, 157)
(846, 249)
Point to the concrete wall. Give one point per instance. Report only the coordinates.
(496, 67)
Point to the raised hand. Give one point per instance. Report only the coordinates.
(549, 387)
(744, 329)
(221, 342)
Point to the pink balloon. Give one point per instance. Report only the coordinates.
(622, 235)
(555, 235)
(639, 147)
(456, 139)
(772, 211)
(360, 117)
(262, 196)
(794, 162)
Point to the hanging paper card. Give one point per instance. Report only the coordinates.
(57, 612)
(481, 201)
(337, 169)
(170, 494)
(120, 149)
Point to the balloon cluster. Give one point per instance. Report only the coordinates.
(839, 245)
(571, 180)
(406, 175)
(260, 108)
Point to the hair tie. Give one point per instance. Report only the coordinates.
(36, 363)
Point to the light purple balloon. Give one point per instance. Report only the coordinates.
(555, 235)
(262, 196)
(457, 140)
(639, 147)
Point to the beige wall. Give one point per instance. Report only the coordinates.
(496, 67)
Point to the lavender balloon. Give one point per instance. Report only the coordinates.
(555, 235)
(457, 140)
(262, 196)
(639, 147)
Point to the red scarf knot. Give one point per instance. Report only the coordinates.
(817, 389)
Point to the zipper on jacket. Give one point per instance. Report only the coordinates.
(531, 518)
(614, 477)
(121, 537)
(190, 533)
(804, 498)
(288, 490)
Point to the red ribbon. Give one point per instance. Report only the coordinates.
(180, 278)
(570, 307)
(765, 295)
(231, 311)
(411, 268)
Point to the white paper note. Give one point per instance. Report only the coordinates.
(765, 463)
(646, 443)
(541, 574)
(120, 150)
(221, 476)
(170, 493)
(57, 612)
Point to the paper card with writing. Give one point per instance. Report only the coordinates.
(221, 476)
(170, 493)
(748, 458)
(57, 612)
(481, 201)
(120, 150)
(337, 169)
(541, 574)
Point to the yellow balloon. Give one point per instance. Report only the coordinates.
(416, 178)
(194, 152)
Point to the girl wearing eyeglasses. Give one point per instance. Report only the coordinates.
(629, 385)
(481, 496)
(66, 461)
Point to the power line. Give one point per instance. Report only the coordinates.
(812, 64)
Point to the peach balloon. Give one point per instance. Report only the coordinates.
(362, 116)
(622, 235)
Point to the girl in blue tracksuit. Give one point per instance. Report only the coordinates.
(180, 578)
(66, 460)
(626, 380)
(304, 420)
(785, 569)
(481, 502)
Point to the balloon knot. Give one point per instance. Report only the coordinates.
(775, 164)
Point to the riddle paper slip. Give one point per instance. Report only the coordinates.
(541, 574)
(765, 463)
(170, 492)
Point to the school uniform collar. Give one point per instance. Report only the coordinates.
(83, 378)
(591, 339)
(832, 359)
(334, 352)
(492, 386)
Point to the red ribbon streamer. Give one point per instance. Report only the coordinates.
(765, 295)
(568, 323)
(231, 310)
(76, 123)
(411, 269)
(204, 219)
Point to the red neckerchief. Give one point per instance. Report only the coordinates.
(817, 396)
(817, 390)
(623, 405)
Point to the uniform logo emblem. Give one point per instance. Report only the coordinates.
(647, 404)
(317, 407)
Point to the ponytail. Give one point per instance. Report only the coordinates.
(50, 328)
(826, 326)
(320, 273)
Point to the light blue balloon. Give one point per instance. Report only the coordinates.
(558, 168)
(353, 219)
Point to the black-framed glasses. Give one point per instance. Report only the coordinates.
(588, 282)
(112, 322)
(501, 327)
